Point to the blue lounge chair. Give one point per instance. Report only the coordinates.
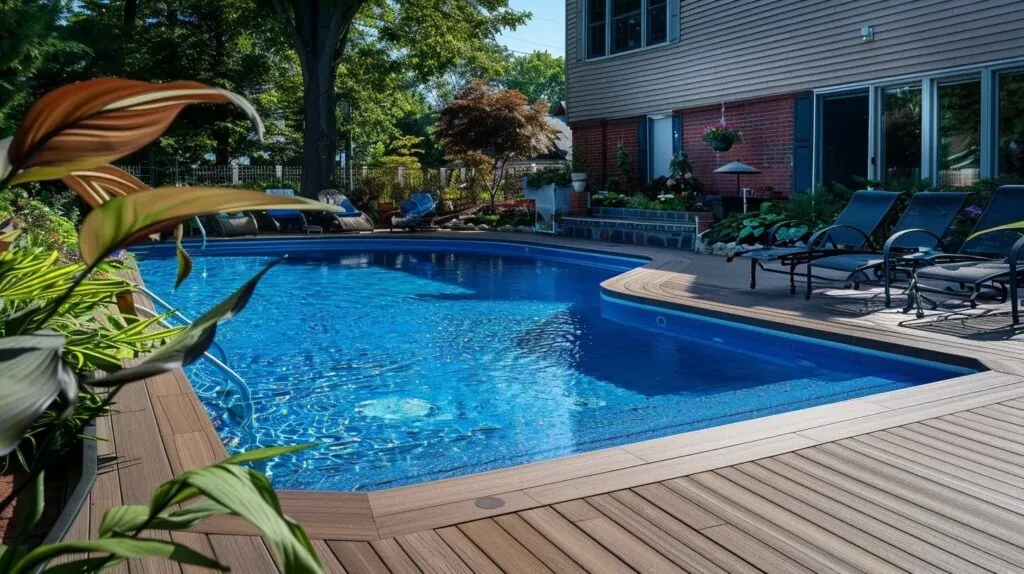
(351, 219)
(986, 261)
(287, 219)
(850, 233)
(414, 211)
(920, 229)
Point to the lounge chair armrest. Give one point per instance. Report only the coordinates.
(818, 236)
(1015, 252)
(775, 229)
(892, 239)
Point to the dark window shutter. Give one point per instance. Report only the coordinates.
(677, 134)
(641, 150)
(803, 129)
(673, 20)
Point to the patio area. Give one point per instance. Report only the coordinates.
(920, 479)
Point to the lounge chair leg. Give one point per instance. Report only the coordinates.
(792, 279)
(810, 281)
(753, 273)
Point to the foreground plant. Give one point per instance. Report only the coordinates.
(73, 134)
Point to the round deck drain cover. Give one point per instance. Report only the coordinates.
(489, 503)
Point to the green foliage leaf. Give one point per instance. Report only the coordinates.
(248, 494)
(32, 375)
(84, 566)
(129, 218)
(190, 344)
(120, 547)
(265, 453)
(125, 520)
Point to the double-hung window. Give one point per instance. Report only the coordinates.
(617, 26)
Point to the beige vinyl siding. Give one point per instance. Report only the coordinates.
(735, 49)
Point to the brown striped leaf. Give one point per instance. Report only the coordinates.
(99, 184)
(126, 219)
(184, 261)
(95, 122)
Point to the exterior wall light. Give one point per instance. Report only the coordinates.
(867, 33)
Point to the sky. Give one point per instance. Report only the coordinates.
(544, 32)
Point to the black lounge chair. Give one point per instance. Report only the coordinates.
(986, 261)
(920, 228)
(849, 234)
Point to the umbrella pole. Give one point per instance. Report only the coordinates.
(742, 193)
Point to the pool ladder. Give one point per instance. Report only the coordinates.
(243, 387)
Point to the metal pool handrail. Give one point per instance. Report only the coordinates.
(242, 385)
(156, 299)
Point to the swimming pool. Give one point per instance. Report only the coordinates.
(413, 360)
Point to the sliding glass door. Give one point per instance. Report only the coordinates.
(844, 138)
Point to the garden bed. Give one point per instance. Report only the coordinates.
(68, 483)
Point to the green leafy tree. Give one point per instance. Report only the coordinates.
(431, 36)
(29, 38)
(539, 76)
(494, 124)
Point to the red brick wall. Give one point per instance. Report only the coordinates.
(623, 133)
(767, 128)
(600, 144)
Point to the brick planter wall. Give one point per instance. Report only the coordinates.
(767, 127)
(600, 142)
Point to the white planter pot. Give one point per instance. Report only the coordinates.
(579, 182)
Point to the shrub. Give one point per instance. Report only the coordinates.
(560, 176)
(42, 227)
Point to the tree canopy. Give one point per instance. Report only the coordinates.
(392, 64)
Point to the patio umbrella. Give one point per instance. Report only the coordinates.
(739, 168)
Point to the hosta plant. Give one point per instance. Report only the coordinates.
(48, 362)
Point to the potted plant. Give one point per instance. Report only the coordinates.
(578, 165)
(720, 136)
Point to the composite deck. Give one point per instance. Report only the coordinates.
(926, 479)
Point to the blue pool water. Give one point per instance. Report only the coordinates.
(407, 362)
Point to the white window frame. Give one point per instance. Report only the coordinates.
(987, 73)
(608, 18)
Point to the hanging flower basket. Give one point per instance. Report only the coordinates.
(721, 137)
(721, 144)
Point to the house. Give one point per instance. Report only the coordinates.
(822, 90)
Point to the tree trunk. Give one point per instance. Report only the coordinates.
(320, 133)
(318, 29)
(130, 14)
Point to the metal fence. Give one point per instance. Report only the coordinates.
(457, 187)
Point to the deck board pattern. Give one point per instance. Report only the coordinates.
(902, 482)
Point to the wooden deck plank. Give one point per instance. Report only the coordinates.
(243, 553)
(449, 514)
(467, 551)
(539, 546)
(629, 548)
(680, 531)
(975, 480)
(331, 563)
(985, 516)
(576, 510)
(106, 491)
(974, 458)
(154, 565)
(768, 488)
(501, 547)
(357, 557)
(799, 523)
(880, 493)
(198, 542)
(391, 553)
(678, 506)
(789, 544)
(403, 499)
(753, 550)
(872, 519)
(666, 469)
(672, 548)
(574, 542)
(431, 554)
(1001, 413)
